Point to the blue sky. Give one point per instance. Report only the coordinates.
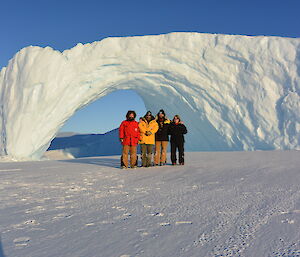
(62, 24)
(106, 113)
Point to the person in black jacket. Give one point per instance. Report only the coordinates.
(161, 138)
(177, 130)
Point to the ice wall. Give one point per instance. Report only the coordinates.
(233, 92)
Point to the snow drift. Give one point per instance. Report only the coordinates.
(234, 92)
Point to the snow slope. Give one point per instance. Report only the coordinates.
(234, 92)
(219, 204)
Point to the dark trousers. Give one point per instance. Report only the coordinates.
(180, 147)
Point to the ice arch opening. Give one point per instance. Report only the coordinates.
(154, 101)
(95, 127)
(104, 114)
(234, 92)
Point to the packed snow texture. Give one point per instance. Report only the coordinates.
(243, 204)
(233, 92)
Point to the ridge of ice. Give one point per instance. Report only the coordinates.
(233, 92)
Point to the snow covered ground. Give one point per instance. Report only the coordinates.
(219, 204)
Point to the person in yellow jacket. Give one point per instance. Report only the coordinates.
(148, 127)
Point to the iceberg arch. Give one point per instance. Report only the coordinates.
(233, 92)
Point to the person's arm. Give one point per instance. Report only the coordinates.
(170, 129)
(154, 128)
(121, 132)
(142, 127)
(139, 132)
(184, 129)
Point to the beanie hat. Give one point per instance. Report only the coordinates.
(162, 111)
(148, 113)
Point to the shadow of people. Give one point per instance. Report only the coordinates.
(1, 249)
(107, 162)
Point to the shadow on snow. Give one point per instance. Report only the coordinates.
(106, 162)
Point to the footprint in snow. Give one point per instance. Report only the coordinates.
(31, 222)
(77, 189)
(119, 208)
(290, 212)
(104, 222)
(165, 224)
(213, 183)
(157, 214)
(62, 216)
(183, 223)
(22, 241)
(88, 182)
(125, 216)
(36, 209)
(27, 222)
(143, 232)
(296, 211)
(60, 207)
(288, 221)
(90, 224)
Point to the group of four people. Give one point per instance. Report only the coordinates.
(150, 131)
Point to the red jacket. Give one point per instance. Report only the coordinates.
(130, 133)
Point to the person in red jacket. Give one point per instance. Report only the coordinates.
(129, 134)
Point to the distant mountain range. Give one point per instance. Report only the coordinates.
(76, 145)
(67, 134)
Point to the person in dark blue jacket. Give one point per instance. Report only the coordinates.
(177, 130)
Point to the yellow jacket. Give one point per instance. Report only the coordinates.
(151, 128)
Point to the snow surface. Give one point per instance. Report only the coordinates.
(234, 92)
(219, 204)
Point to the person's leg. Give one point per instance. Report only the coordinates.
(164, 146)
(121, 159)
(149, 155)
(133, 156)
(138, 154)
(181, 153)
(125, 155)
(173, 152)
(157, 152)
(144, 155)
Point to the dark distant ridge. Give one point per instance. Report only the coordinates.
(87, 145)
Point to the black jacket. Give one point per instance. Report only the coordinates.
(163, 129)
(177, 131)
